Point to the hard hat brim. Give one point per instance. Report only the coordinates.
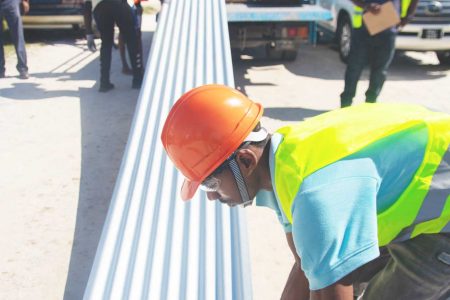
(188, 189)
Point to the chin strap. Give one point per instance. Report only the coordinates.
(240, 182)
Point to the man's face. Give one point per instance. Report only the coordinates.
(224, 184)
(227, 191)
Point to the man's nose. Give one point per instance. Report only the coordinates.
(212, 195)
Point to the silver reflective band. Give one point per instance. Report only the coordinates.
(435, 200)
(240, 182)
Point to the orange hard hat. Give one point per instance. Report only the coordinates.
(204, 127)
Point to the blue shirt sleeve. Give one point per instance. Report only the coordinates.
(335, 222)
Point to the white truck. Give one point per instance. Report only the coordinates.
(279, 25)
(428, 30)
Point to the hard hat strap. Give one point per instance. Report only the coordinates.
(240, 182)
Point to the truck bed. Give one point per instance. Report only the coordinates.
(240, 12)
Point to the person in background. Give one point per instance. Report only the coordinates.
(137, 10)
(107, 13)
(10, 10)
(160, 9)
(377, 50)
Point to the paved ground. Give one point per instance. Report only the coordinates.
(62, 142)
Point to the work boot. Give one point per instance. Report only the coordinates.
(137, 82)
(105, 87)
(345, 103)
(24, 75)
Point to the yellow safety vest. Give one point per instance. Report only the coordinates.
(327, 138)
(358, 12)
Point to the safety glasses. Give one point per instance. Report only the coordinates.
(212, 183)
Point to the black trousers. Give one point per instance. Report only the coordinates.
(377, 51)
(106, 14)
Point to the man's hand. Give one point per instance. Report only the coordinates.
(24, 7)
(403, 22)
(91, 43)
(373, 8)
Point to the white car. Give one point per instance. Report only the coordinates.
(428, 30)
(54, 14)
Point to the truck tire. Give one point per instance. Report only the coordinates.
(273, 53)
(236, 54)
(280, 54)
(344, 36)
(444, 57)
(289, 55)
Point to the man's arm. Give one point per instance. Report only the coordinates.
(297, 286)
(411, 11)
(87, 13)
(24, 7)
(337, 291)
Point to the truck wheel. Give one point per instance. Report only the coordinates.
(235, 54)
(273, 53)
(344, 36)
(444, 57)
(290, 55)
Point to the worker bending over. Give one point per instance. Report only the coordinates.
(362, 192)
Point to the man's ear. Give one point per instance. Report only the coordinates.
(247, 160)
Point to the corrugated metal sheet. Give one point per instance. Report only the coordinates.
(154, 246)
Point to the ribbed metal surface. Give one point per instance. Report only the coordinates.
(154, 246)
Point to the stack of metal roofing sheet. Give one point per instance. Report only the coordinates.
(154, 246)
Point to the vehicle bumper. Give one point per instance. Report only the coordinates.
(281, 44)
(52, 21)
(410, 38)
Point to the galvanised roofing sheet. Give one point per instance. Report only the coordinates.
(153, 245)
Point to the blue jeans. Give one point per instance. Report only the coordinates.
(377, 51)
(416, 269)
(9, 9)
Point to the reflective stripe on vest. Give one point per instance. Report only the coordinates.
(358, 12)
(405, 6)
(327, 138)
(357, 16)
(435, 209)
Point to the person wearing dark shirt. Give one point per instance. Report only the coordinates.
(107, 14)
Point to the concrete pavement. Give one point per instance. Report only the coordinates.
(62, 143)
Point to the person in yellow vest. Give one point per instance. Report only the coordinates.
(377, 50)
(362, 192)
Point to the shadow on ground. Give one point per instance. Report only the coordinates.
(291, 114)
(404, 66)
(105, 121)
